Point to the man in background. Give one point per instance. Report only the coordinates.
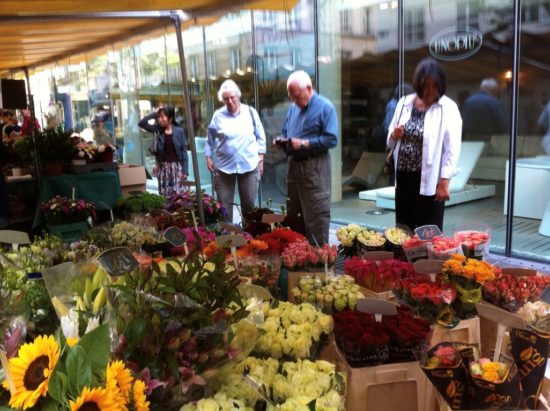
(27, 127)
(309, 131)
(483, 113)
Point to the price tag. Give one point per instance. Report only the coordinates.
(15, 238)
(377, 255)
(377, 307)
(545, 296)
(175, 236)
(496, 314)
(254, 291)
(117, 261)
(427, 232)
(230, 228)
(233, 241)
(272, 219)
(429, 267)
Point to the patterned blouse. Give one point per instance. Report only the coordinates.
(410, 151)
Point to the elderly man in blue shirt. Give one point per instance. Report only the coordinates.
(309, 131)
(237, 136)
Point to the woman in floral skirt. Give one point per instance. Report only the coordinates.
(169, 146)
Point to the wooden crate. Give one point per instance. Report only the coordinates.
(294, 280)
(467, 331)
(328, 352)
(389, 387)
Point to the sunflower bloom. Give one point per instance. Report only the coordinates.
(31, 371)
(96, 399)
(138, 394)
(120, 378)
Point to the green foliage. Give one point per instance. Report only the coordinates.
(23, 149)
(143, 202)
(55, 145)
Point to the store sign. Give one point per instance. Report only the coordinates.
(454, 44)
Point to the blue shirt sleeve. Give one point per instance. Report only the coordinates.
(329, 130)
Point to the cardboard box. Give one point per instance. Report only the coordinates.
(132, 178)
(388, 387)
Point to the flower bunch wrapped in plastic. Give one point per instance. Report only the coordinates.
(371, 240)
(291, 330)
(336, 294)
(468, 276)
(278, 240)
(301, 255)
(377, 275)
(442, 248)
(536, 315)
(430, 300)
(511, 292)
(63, 210)
(81, 250)
(262, 270)
(52, 373)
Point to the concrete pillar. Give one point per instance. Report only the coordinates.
(329, 81)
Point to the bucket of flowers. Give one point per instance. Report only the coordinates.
(67, 217)
(214, 211)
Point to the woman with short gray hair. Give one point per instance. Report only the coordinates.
(236, 138)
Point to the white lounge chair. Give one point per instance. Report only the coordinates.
(461, 191)
(366, 171)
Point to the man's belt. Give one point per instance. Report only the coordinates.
(303, 156)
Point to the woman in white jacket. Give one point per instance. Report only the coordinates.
(425, 133)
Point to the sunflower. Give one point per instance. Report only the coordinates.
(140, 400)
(96, 399)
(120, 378)
(31, 370)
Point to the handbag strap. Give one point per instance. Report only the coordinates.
(253, 121)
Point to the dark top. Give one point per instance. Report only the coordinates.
(170, 155)
(179, 140)
(410, 150)
(483, 115)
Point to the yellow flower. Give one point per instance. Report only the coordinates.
(490, 366)
(72, 341)
(31, 370)
(140, 400)
(97, 399)
(120, 378)
(490, 376)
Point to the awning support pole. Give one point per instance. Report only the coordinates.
(188, 114)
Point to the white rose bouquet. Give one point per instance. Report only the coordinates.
(337, 293)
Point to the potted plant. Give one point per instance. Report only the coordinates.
(105, 153)
(21, 154)
(67, 218)
(55, 147)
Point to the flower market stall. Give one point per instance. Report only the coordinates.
(160, 312)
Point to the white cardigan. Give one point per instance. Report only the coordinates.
(441, 142)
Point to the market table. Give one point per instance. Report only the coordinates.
(101, 187)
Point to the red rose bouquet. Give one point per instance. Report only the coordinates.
(511, 292)
(415, 249)
(407, 333)
(377, 275)
(278, 239)
(441, 248)
(300, 255)
(362, 340)
(430, 300)
(475, 244)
